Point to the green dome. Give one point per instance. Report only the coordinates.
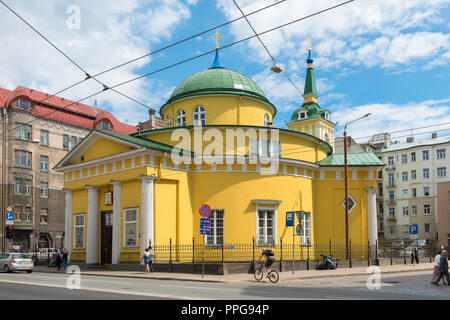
(218, 81)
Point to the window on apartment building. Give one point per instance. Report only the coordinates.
(426, 209)
(405, 211)
(380, 189)
(440, 153)
(79, 233)
(23, 104)
(405, 193)
(442, 172)
(18, 212)
(265, 228)
(426, 173)
(22, 158)
(44, 137)
(391, 161)
(28, 214)
(44, 163)
(426, 191)
(131, 227)
(380, 207)
(414, 192)
(391, 196)
(413, 156)
(427, 227)
(28, 187)
(44, 189)
(425, 155)
(43, 217)
(413, 174)
(18, 189)
(391, 229)
(22, 186)
(73, 142)
(405, 176)
(23, 131)
(391, 182)
(414, 211)
(65, 141)
(404, 158)
(391, 213)
(216, 237)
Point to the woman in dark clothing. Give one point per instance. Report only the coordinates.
(59, 260)
(415, 256)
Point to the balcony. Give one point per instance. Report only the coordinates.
(390, 201)
(390, 167)
(391, 219)
(391, 185)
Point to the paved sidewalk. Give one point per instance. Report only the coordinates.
(284, 276)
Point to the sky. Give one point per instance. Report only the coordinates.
(388, 58)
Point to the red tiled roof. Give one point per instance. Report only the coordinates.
(63, 110)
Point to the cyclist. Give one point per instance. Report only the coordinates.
(270, 259)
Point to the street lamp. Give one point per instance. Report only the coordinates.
(346, 186)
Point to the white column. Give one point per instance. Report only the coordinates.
(92, 226)
(68, 222)
(147, 213)
(372, 215)
(117, 208)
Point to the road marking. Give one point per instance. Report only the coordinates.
(63, 277)
(209, 288)
(166, 296)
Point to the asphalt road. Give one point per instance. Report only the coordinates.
(46, 286)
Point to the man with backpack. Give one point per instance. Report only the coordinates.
(270, 259)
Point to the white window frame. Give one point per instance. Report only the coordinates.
(83, 233)
(266, 120)
(125, 223)
(199, 116)
(404, 158)
(44, 137)
(305, 235)
(23, 131)
(442, 172)
(427, 175)
(44, 189)
(28, 156)
(414, 211)
(405, 176)
(212, 239)
(425, 155)
(413, 156)
(274, 226)
(427, 209)
(390, 160)
(302, 115)
(28, 187)
(440, 153)
(425, 193)
(181, 118)
(23, 104)
(43, 165)
(405, 211)
(169, 121)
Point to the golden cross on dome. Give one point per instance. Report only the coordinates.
(309, 40)
(216, 36)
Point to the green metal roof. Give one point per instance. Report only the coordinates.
(218, 81)
(310, 83)
(359, 159)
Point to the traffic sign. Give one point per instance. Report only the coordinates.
(413, 229)
(205, 226)
(290, 217)
(9, 217)
(205, 210)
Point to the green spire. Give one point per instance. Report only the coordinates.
(310, 83)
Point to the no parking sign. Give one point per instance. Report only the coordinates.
(205, 210)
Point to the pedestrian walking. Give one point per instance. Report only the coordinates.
(436, 269)
(443, 268)
(59, 260)
(152, 254)
(65, 257)
(147, 258)
(415, 256)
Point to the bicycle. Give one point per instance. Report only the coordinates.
(260, 272)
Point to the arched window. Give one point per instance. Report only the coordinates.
(181, 118)
(199, 116)
(266, 120)
(104, 125)
(169, 121)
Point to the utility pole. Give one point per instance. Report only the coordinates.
(347, 253)
(3, 207)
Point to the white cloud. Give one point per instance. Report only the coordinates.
(111, 32)
(391, 117)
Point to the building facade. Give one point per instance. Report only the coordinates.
(443, 208)
(218, 147)
(38, 131)
(408, 187)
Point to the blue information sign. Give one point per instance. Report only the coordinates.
(290, 217)
(205, 226)
(413, 229)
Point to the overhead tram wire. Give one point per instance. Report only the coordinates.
(265, 47)
(201, 55)
(88, 76)
(156, 51)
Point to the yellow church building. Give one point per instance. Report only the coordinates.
(218, 147)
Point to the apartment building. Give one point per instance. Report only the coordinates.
(407, 195)
(38, 130)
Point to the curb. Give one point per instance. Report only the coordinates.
(324, 276)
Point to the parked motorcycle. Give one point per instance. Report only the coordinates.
(327, 263)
